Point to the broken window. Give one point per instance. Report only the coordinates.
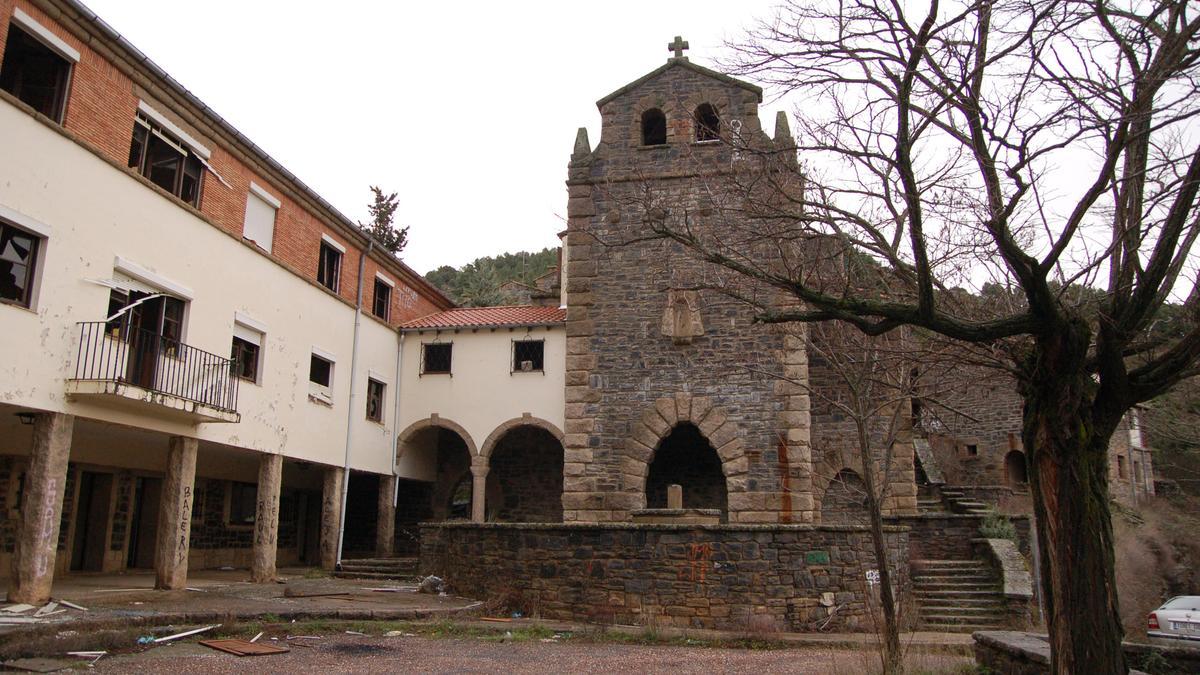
(18, 258)
(654, 127)
(245, 359)
(435, 358)
(972, 450)
(528, 355)
(165, 160)
(329, 266)
(375, 398)
(152, 313)
(320, 371)
(35, 73)
(243, 497)
(383, 299)
(708, 123)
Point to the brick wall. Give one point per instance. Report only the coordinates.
(687, 576)
(101, 106)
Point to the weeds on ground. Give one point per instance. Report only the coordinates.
(996, 525)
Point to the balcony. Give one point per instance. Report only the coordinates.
(140, 369)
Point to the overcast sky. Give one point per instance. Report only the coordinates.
(468, 109)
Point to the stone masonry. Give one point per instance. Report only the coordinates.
(629, 382)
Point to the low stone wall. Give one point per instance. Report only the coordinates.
(947, 536)
(712, 576)
(1015, 580)
(1019, 653)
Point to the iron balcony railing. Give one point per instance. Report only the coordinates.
(116, 352)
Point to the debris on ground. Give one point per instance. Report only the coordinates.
(92, 657)
(38, 665)
(354, 632)
(72, 605)
(186, 633)
(255, 638)
(46, 609)
(243, 647)
(18, 609)
(432, 584)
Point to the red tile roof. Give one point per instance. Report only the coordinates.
(476, 317)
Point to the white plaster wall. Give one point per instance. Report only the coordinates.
(481, 394)
(96, 212)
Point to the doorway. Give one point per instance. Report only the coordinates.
(153, 326)
(91, 521)
(147, 498)
(308, 528)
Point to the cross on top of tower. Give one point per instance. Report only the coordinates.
(678, 46)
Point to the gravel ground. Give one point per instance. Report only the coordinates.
(352, 654)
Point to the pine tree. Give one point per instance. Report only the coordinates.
(381, 229)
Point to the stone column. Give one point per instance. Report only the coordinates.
(331, 516)
(41, 510)
(479, 474)
(385, 522)
(266, 519)
(175, 515)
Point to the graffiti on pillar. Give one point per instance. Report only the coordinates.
(185, 521)
(43, 529)
(266, 522)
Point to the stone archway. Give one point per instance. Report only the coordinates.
(445, 455)
(686, 458)
(525, 420)
(659, 420)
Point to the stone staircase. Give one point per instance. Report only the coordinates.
(957, 596)
(377, 568)
(960, 503)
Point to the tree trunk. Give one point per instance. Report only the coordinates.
(1068, 452)
(892, 664)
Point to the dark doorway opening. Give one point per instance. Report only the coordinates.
(308, 527)
(362, 510)
(147, 499)
(685, 457)
(1015, 469)
(91, 521)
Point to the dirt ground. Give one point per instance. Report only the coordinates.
(367, 654)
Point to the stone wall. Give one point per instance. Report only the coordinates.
(714, 576)
(414, 505)
(645, 351)
(948, 536)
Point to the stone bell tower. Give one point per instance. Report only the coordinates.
(668, 380)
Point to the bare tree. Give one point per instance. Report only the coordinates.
(873, 383)
(1020, 176)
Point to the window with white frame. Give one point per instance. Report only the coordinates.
(165, 159)
(320, 377)
(376, 396)
(261, 208)
(247, 350)
(18, 264)
(329, 263)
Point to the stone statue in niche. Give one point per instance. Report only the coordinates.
(681, 318)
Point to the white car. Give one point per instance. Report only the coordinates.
(1176, 623)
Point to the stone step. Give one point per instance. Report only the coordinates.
(958, 619)
(931, 595)
(354, 574)
(956, 586)
(957, 610)
(982, 579)
(959, 627)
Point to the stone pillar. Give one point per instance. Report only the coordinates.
(175, 515)
(479, 474)
(331, 516)
(266, 519)
(41, 510)
(675, 496)
(385, 522)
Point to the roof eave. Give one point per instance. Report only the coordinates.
(683, 63)
(477, 326)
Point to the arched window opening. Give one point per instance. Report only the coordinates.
(708, 123)
(460, 499)
(654, 127)
(525, 481)
(686, 458)
(845, 500)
